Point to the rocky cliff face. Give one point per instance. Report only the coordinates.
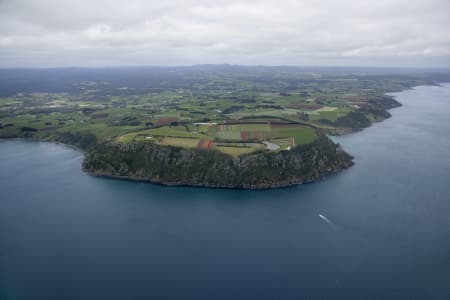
(195, 167)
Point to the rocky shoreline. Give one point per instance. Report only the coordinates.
(211, 186)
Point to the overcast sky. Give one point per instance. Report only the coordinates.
(49, 33)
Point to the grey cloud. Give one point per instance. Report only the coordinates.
(137, 32)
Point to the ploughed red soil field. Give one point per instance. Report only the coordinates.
(205, 144)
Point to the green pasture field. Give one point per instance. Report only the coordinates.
(228, 135)
(166, 131)
(179, 142)
(235, 151)
(302, 134)
(101, 130)
(249, 127)
(331, 115)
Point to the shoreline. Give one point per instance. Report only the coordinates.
(288, 185)
(280, 185)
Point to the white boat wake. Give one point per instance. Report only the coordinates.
(328, 221)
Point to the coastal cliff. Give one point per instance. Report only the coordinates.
(209, 168)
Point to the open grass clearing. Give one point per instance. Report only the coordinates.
(179, 142)
(302, 135)
(235, 151)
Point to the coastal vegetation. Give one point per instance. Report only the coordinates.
(199, 167)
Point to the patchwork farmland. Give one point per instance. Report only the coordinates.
(238, 109)
(233, 139)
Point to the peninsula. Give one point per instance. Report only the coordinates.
(218, 126)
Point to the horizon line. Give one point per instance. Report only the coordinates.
(441, 68)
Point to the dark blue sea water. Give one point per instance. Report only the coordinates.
(384, 234)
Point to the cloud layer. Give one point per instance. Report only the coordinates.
(170, 32)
